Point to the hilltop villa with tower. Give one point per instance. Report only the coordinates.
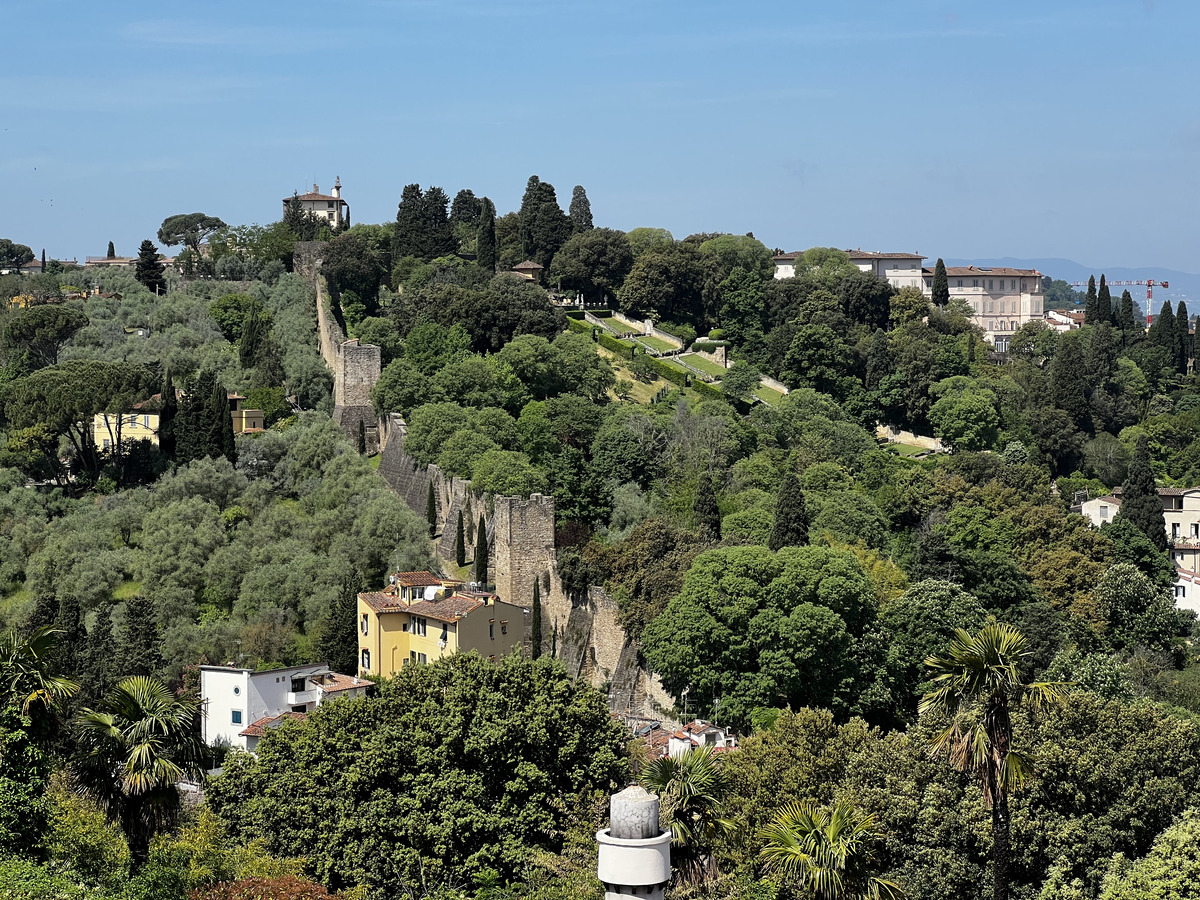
(330, 207)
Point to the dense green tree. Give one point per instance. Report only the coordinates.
(665, 283)
(790, 527)
(112, 251)
(338, 644)
(1140, 503)
(741, 380)
(485, 246)
(465, 209)
(749, 626)
(580, 212)
(168, 410)
(13, 255)
(351, 263)
(1126, 318)
(41, 331)
(1140, 614)
(1162, 331)
(189, 229)
(99, 656)
(149, 268)
(133, 750)
(422, 224)
(1184, 337)
(966, 421)
(1170, 869)
(593, 261)
(977, 683)
(483, 742)
(1068, 383)
(941, 285)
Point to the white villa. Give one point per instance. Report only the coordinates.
(1181, 512)
(330, 207)
(241, 705)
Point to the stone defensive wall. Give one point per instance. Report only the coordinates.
(355, 366)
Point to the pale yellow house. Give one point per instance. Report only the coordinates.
(108, 428)
(400, 625)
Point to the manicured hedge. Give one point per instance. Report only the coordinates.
(704, 389)
(579, 325)
(576, 313)
(673, 375)
(611, 343)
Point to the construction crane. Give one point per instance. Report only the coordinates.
(1149, 291)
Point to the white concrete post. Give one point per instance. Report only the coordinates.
(635, 853)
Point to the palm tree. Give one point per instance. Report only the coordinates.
(826, 851)
(133, 752)
(691, 788)
(978, 685)
(25, 671)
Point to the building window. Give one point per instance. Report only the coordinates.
(1180, 592)
(421, 658)
(974, 282)
(989, 284)
(1013, 284)
(960, 282)
(366, 659)
(1174, 530)
(1195, 530)
(364, 623)
(1104, 512)
(503, 627)
(236, 690)
(491, 631)
(237, 717)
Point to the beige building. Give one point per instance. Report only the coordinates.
(1001, 299)
(419, 618)
(897, 269)
(109, 428)
(330, 207)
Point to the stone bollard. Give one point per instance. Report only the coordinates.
(635, 854)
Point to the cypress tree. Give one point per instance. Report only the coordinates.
(167, 412)
(941, 286)
(481, 551)
(43, 260)
(580, 211)
(460, 543)
(970, 346)
(250, 339)
(1126, 319)
(879, 360)
(100, 654)
(485, 243)
(706, 511)
(1162, 330)
(1184, 337)
(791, 516)
(339, 628)
(1104, 311)
(362, 437)
(1140, 503)
(141, 652)
(535, 626)
(1091, 315)
(218, 430)
(112, 251)
(70, 647)
(149, 268)
(1068, 378)
(431, 511)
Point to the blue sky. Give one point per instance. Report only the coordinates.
(959, 129)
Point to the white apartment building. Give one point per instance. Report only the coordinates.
(1181, 515)
(330, 207)
(1001, 299)
(241, 704)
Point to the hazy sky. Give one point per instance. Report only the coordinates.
(959, 129)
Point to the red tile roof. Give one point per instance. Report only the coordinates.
(449, 609)
(260, 727)
(314, 196)
(867, 254)
(959, 271)
(528, 266)
(333, 682)
(417, 579)
(382, 601)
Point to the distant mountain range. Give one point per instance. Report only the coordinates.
(1185, 286)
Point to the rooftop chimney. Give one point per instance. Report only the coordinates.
(635, 853)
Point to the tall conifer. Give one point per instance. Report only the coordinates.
(791, 516)
(1068, 380)
(431, 510)
(1091, 312)
(580, 211)
(460, 543)
(535, 626)
(1126, 318)
(941, 286)
(706, 511)
(485, 244)
(1184, 337)
(1104, 311)
(112, 251)
(149, 269)
(1140, 503)
(140, 645)
(1162, 330)
(338, 645)
(167, 412)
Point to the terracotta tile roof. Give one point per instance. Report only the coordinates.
(528, 266)
(449, 609)
(333, 682)
(960, 271)
(314, 196)
(261, 726)
(788, 257)
(417, 579)
(1162, 491)
(382, 601)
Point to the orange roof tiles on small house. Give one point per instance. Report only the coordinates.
(260, 727)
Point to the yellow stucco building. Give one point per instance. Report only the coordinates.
(418, 618)
(127, 427)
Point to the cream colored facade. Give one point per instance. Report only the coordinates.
(395, 630)
(1001, 299)
(107, 428)
(330, 207)
(897, 269)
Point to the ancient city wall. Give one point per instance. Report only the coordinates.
(355, 366)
